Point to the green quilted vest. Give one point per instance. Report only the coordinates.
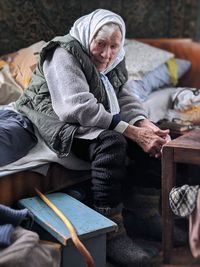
(36, 104)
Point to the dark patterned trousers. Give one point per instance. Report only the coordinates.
(108, 154)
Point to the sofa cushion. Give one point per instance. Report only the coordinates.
(157, 79)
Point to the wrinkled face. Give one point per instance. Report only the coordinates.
(105, 46)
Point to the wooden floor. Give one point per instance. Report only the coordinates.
(181, 257)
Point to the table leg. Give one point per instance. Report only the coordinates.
(168, 181)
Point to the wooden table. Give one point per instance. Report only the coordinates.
(184, 149)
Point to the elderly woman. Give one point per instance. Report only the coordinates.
(79, 101)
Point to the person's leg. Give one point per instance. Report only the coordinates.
(142, 197)
(145, 171)
(107, 154)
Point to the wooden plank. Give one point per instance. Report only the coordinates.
(21, 184)
(190, 140)
(168, 181)
(187, 155)
(185, 149)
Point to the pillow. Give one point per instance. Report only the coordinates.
(185, 98)
(23, 62)
(186, 105)
(142, 58)
(157, 79)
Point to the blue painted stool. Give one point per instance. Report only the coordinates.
(91, 227)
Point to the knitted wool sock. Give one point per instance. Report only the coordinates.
(12, 216)
(6, 231)
(143, 219)
(122, 250)
(108, 168)
(142, 213)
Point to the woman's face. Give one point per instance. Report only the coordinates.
(104, 48)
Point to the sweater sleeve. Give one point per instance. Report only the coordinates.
(131, 109)
(69, 90)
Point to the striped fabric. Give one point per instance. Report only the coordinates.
(9, 219)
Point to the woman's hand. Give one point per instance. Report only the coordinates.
(148, 124)
(148, 136)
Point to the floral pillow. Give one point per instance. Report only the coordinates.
(16, 71)
(142, 58)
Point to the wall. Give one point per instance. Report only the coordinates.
(25, 22)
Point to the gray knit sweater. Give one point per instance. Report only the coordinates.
(73, 102)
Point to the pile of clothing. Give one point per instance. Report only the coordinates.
(19, 245)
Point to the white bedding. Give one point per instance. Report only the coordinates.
(156, 106)
(40, 155)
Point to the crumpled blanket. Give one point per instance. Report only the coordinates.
(27, 250)
(185, 98)
(185, 106)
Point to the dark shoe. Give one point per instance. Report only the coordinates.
(150, 228)
(142, 216)
(118, 219)
(122, 250)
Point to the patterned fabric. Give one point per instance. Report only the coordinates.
(142, 58)
(182, 199)
(45, 19)
(27, 250)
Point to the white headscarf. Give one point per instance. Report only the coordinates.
(85, 28)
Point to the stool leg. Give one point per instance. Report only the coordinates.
(168, 181)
